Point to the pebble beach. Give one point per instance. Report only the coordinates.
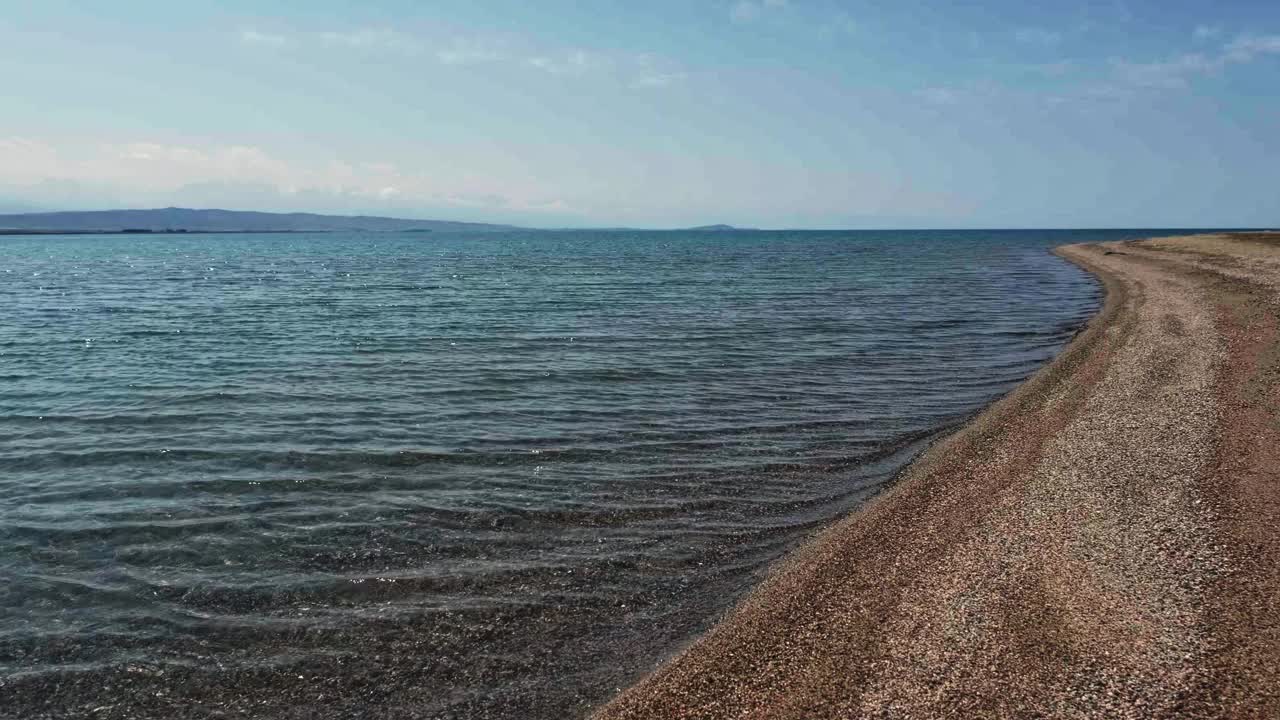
(1099, 543)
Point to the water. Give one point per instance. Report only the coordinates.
(450, 475)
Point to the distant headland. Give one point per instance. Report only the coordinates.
(174, 220)
(717, 228)
(187, 220)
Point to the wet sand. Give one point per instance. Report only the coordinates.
(1103, 542)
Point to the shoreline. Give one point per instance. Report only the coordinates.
(1083, 547)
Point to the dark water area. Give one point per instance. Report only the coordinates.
(457, 476)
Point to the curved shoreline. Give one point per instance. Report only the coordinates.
(1063, 554)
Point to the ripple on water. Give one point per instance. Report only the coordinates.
(457, 476)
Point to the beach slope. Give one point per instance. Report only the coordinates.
(1104, 542)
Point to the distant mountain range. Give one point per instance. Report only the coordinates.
(172, 219)
(188, 220)
(717, 228)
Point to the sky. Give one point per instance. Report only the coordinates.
(558, 113)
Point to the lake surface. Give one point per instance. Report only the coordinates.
(472, 476)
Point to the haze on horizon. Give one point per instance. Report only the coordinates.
(767, 113)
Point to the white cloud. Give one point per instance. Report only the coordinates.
(369, 38)
(939, 95)
(642, 71)
(141, 173)
(356, 39)
(1059, 68)
(1178, 72)
(745, 11)
(655, 72)
(29, 160)
(573, 62)
(18, 144)
(250, 36)
(1166, 74)
(636, 71)
(497, 184)
(1037, 36)
(1128, 78)
(1246, 48)
(657, 80)
(985, 93)
(749, 10)
(1206, 32)
(468, 51)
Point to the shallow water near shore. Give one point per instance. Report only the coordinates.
(458, 475)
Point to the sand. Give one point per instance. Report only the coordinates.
(1103, 543)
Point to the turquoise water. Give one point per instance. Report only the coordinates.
(457, 475)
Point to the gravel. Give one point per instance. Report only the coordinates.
(1084, 548)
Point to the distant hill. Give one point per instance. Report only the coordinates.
(716, 228)
(168, 219)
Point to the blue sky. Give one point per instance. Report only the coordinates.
(770, 113)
